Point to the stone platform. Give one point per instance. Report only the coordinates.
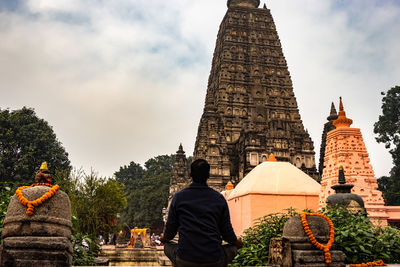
(135, 256)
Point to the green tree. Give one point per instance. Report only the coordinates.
(147, 191)
(388, 130)
(130, 175)
(95, 202)
(25, 142)
(390, 187)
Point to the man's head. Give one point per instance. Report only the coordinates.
(200, 171)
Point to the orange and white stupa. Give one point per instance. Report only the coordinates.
(345, 147)
(271, 187)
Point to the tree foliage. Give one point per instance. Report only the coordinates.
(95, 202)
(388, 130)
(147, 191)
(390, 187)
(25, 142)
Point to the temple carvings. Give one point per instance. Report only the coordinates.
(250, 109)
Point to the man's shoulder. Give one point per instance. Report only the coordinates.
(208, 190)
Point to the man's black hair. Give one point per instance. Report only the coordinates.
(200, 171)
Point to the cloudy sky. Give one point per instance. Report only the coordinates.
(123, 81)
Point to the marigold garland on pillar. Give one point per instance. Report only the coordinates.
(34, 203)
(313, 240)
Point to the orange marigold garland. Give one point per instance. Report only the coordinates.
(324, 248)
(372, 263)
(34, 203)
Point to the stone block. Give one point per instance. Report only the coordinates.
(316, 256)
(37, 251)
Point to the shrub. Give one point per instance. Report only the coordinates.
(360, 240)
(85, 247)
(355, 235)
(256, 239)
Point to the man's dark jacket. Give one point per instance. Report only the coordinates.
(201, 217)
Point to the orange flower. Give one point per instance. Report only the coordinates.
(371, 263)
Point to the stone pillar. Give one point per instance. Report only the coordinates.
(41, 239)
(295, 249)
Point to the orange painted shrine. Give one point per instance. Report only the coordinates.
(345, 147)
(270, 187)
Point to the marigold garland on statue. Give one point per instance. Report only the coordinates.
(307, 230)
(372, 263)
(34, 203)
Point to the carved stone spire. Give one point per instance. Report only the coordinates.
(180, 175)
(243, 3)
(327, 128)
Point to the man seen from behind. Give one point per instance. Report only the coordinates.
(201, 217)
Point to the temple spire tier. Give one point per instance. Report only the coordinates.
(243, 3)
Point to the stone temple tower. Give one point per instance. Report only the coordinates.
(327, 128)
(345, 148)
(180, 174)
(250, 109)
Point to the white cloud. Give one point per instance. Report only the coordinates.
(126, 80)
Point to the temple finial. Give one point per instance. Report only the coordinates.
(342, 121)
(272, 158)
(180, 149)
(229, 186)
(341, 105)
(333, 113)
(265, 6)
(333, 110)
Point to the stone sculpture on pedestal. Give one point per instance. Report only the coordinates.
(37, 227)
(295, 249)
(343, 197)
